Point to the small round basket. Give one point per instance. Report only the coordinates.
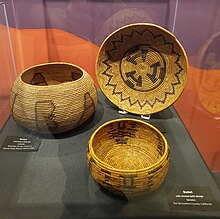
(53, 97)
(128, 157)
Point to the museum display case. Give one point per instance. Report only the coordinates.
(109, 109)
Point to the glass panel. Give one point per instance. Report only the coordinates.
(198, 28)
(51, 178)
(7, 72)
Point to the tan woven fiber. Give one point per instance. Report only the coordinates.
(142, 68)
(53, 97)
(128, 157)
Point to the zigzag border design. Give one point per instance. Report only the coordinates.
(110, 76)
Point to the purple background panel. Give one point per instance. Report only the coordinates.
(196, 21)
(89, 19)
(93, 20)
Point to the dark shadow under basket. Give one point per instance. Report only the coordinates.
(128, 156)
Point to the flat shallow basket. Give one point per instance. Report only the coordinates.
(53, 97)
(142, 68)
(128, 157)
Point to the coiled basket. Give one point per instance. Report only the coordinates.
(142, 68)
(53, 97)
(128, 157)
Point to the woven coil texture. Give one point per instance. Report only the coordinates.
(142, 68)
(128, 157)
(53, 97)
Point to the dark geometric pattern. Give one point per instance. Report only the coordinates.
(38, 79)
(88, 105)
(75, 75)
(122, 132)
(110, 76)
(44, 114)
(134, 77)
(129, 182)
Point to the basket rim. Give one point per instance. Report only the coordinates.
(107, 166)
(84, 72)
(152, 25)
(204, 48)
